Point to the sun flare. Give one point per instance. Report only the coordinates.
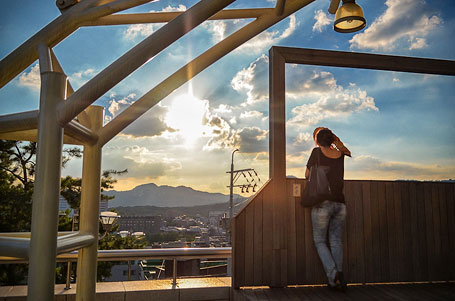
(186, 115)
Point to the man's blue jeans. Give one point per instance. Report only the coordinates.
(328, 220)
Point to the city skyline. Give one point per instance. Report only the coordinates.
(397, 125)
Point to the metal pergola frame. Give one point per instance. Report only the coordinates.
(68, 116)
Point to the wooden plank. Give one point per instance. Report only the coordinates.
(260, 295)
(421, 234)
(366, 61)
(436, 231)
(359, 229)
(391, 232)
(414, 221)
(383, 233)
(375, 232)
(249, 244)
(239, 242)
(407, 222)
(351, 232)
(451, 227)
(277, 165)
(368, 233)
(291, 233)
(309, 249)
(431, 260)
(257, 248)
(300, 242)
(267, 236)
(400, 260)
(445, 248)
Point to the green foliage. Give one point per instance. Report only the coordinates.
(17, 170)
(71, 187)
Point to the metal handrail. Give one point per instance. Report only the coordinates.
(173, 254)
(138, 254)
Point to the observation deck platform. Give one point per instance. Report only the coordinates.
(219, 288)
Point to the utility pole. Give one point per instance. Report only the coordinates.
(235, 174)
(231, 189)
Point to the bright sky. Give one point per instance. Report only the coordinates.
(397, 125)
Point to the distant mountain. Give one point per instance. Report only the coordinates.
(165, 196)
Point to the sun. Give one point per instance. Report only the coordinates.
(186, 115)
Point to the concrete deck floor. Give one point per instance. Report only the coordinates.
(220, 289)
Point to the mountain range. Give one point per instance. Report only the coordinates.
(166, 196)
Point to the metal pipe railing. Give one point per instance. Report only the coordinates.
(137, 254)
(173, 254)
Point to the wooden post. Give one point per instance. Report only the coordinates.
(278, 166)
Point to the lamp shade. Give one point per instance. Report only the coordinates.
(108, 218)
(349, 18)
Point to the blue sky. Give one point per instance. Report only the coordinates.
(397, 125)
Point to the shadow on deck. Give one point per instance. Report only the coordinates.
(219, 288)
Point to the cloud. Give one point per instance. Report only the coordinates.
(253, 80)
(252, 140)
(118, 106)
(251, 114)
(144, 30)
(220, 29)
(302, 80)
(31, 79)
(152, 123)
(332, 100)
(77, 79)
(267, 38)
(322, 20)
(304, 141)
(247, 140)
(223, 108)
(405, 22)
(341, 103)
(372, 167)
(140, 161)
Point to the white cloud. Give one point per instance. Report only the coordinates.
(267, 38)
(31, 79)
(405, 22)
(220, 29)
(223, 108)
(77, 79)
(322, 20)
(340, 103)
(118, 106)
(144, 30)
(253, 80)
(251, 114)
(332, 100)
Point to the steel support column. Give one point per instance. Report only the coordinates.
(43, 242)
(89, 211)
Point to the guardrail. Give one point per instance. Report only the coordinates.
(138, 254)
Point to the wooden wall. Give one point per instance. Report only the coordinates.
(395, 231)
